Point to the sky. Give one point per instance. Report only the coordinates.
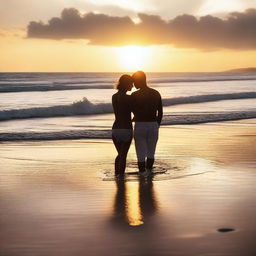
(127, 35)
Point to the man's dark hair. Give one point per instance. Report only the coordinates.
(140, 78)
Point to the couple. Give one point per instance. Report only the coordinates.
(146, 106)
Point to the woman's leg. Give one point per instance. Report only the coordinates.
(118, 148)
(124, 148)
(120, 161)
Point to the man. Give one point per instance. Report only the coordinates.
(148, 112)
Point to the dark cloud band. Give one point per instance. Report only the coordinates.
(237, 31)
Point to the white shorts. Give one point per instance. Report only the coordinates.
(146, 137)
(122, 135)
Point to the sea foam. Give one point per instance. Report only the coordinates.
(85, 107)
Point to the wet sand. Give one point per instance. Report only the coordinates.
(60, 198)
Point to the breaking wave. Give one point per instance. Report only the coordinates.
(85, 107)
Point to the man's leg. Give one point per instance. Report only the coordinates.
(151, 145)
(141, 147)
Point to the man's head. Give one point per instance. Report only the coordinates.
(139, 79)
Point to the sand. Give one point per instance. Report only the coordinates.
(60, 198)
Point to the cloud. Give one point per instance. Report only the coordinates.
(236, 31)
(8, 33)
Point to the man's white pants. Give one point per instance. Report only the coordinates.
(145, 136)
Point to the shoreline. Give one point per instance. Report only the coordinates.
(92, 134)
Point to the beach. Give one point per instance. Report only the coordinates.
(81, 82)
(60, 197)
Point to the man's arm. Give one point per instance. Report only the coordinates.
(132, 105)
(159, 110)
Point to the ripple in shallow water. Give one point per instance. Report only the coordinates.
(161, 171)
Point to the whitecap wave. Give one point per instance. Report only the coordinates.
(85, 107)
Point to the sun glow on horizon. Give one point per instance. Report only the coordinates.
(134, 57)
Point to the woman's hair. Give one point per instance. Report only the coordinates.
(124, 82)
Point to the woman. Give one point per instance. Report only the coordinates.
(122, 127)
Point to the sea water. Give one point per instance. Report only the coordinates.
(78, 105)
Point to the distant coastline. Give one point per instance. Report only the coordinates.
(238, 70)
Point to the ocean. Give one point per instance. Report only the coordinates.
(56, 106)
(61, 197)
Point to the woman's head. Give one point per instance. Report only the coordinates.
(125, 83)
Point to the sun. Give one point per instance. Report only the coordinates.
(134, 57)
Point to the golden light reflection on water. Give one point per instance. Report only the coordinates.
(134, 202)
(133, 210)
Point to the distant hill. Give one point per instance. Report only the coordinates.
(252, 69)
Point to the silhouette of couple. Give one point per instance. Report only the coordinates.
(146, 106)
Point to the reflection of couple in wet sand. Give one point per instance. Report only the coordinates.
(146, 106)
(134, 202)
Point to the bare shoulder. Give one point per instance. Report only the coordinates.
(114, 95)
(122, 97)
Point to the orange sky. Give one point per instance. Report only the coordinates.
(19, 53)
